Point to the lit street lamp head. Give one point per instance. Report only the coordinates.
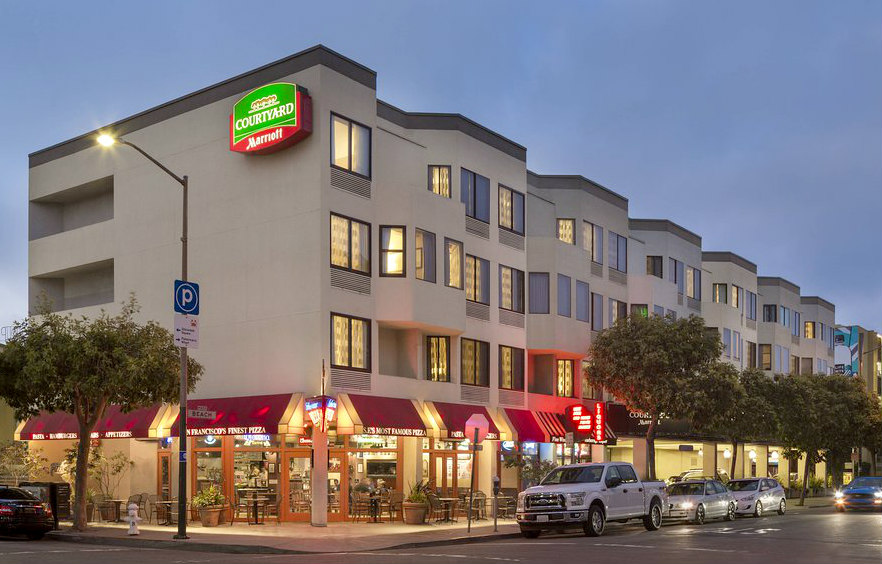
(106, 140)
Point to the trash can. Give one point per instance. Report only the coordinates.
(56, 494)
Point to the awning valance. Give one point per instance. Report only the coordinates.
(247, 415)
(373, 415)
(138, 424)
(553, 424)
(451, 419)
(525, 426)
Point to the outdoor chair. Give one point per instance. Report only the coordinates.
(361, 506)
(238, 506)
(439, 510)
(272, 507)
(154, 508)
(396, 499)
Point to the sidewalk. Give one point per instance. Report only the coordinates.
(292, 538)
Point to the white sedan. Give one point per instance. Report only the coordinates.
(757, 495)
(698, 500)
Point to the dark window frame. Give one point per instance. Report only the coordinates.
(651, 262)
(370, 251)
(478, 260)
(434, 256)
(370, 132)
(572, 220)
(547, 308)
(514, 194)
(461, 287)
(523, 288)
(474, 194)
(449, 168)
(486, 364)
(428, 358)
(368, 353)
(523, 368)
(403, 252)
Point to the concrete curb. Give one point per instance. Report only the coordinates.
(198, 546)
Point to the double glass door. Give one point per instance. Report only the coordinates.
(299, 486)
(451, 473)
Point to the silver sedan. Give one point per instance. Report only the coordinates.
(699, 500)
(754, 496)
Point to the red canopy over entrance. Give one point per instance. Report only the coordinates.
(114, 425)
(372, 415)
(452, 418)
(240, 416)
(526, 426)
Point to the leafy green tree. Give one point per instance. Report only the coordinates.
(57, 362)
(739, 406)
(872, 433)
(850, 412)
(800, 419)
(653, 364)
(21, 463)
(531, 469)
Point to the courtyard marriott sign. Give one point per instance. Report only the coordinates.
(270, 118)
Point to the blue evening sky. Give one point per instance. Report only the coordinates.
(758, 125)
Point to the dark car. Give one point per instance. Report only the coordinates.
(862, 493)
(22, 513)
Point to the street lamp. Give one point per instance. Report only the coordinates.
(106, 140)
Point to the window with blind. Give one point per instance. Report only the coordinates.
(654, 266)
(617, 310)
(350, 244)
(618, 252)
(453, 263)
(721, 293)
(539, 292)
(350, 342)
(438, 359)
(511, 289)
(592, 241)
(439, 180)
(565, 378)
(566, 231)
(511, 368)
(350, 146)
(392, 245)
(424, 255)
(477, 279)
(475, 362)
(693, 283)
(475, 194)
(511, 210)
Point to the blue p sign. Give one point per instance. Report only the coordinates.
(186, 297)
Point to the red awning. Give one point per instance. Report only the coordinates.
(372, 415)
(239, 416)
(114, 425)
(454, 416)
(554, 425)
(526, 426)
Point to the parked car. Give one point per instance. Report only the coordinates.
(753, 496)
(22, 513)
(588, 495)
(699, 500)
(699, 474)
(861, 493)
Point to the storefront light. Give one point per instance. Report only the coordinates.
(209, 439)
(321, 411)
(752, 455)
(508, 445)
(773, 457)
(727, 453)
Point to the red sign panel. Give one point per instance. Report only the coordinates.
(587, 426)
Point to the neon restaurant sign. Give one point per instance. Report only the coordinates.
(270, 118)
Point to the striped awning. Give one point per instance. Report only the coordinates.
(553, 424)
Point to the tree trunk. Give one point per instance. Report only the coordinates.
(873, 462)
(82, 479)
(650, 447)
(734, 458)
(809, 456)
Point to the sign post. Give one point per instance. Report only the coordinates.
(476, 428)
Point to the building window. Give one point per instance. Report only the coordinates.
(794, 364)
(617, 310)
(592, 241)
(424, 255)
(564, 297)
(693, 283)
(475, 362)
(438, 359)
(350, 244)
(727, 343)
(765, 357)
(439, 180)
(350, 342)
(583, 302)
(618, 252)
(796, 326)
(475, 194)
(596, 311)
(477, 279)
(737, 345)
(658, 310)
(565, 378)
(453, 263)
(751, 355)
(809, 331)
(721, 293)
(511, 289)
(589, 390)
(671, 313)
(511, 368)
(777, 359)
(640, 309)
(350, 146)
(770, 313)
(784, 316)
(392, 245)
(676, 274)
(654, 266)
(566, 231)
(511, 210)
(750, 306)
(737, 292)
(539, 298)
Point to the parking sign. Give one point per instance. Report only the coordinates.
(186, 297)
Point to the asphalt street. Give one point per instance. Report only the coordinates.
(811, 536)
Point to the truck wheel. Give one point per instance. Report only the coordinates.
(653, 520)
(531, 534)
(593, 527)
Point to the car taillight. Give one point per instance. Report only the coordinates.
(47, 509)
(6, 510)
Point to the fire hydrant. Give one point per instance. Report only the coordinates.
(133, 519)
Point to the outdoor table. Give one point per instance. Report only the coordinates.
(255, 499)
(117, 504)
(375, 508)
(168, 510)
(449, 506)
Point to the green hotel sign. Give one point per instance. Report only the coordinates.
(270, 118)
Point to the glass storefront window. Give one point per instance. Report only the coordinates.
(299, 485)
(209, 468)
(373, 442)
(255, 441)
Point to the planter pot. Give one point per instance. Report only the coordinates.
(414, 513)
(90, 512)
(210, 516)
(108, 512)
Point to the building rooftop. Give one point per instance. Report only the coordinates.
(665, 225)
(576, 182)
(818, 301)
(777, 281)
(728, 256)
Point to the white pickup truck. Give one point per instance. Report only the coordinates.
(587, 496)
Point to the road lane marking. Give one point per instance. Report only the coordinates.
(421, 555)
(698, 549)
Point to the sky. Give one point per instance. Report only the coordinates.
(757, 125)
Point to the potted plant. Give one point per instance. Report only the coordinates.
(210, 503)
(416, 504)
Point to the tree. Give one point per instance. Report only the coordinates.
(872, 433)
(22, 463)
(531, 469)
(57, 362)
(800, 414)
(738, 406)
(651, 364)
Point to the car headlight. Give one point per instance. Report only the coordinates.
(575, 499)
(878, 495)
(687, 505)
(521, 502)
(837, 495)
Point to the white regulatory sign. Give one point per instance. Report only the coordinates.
(187, 331)
(201, 413)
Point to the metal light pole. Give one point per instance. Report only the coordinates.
(106, 141)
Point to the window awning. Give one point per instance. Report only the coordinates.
(138, 424)
(451, 418)
(248, 415)
(525, 426)
(372, 415)
(554, 425)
